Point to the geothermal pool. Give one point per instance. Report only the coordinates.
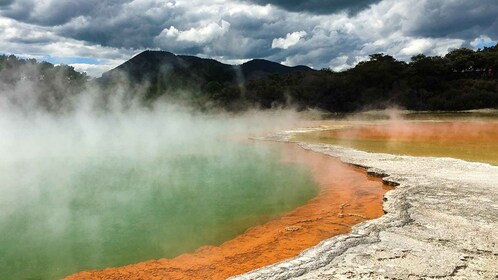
(470, 139)
(115, 211)
(86, 191)
(80, 192)
(347, 196)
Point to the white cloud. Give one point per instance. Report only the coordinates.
(171, 32)
(417, 46)
(482, 41)
(230, 61)
(340, 41)
(95, 70)
(252, 11)
(201, 35)
(290, 40)
(26, 40)
(340, 63)
(113, 30)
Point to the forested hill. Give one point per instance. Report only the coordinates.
(463, 79)
(166, 72)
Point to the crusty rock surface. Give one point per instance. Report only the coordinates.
(441, 222)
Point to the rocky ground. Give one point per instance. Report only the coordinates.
(441, 222)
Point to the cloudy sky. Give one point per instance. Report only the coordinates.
(97, 35)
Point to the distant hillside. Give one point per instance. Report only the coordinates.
(150, 65)
(463, 79)
(161, 73)
(260, 68)
(169, 71)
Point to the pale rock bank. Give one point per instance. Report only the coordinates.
(441, 222)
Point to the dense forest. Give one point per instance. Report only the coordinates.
(463, 79)
(25, 83)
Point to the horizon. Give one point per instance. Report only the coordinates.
(96, 36)
(207, 58)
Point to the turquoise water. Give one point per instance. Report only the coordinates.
(71, 202)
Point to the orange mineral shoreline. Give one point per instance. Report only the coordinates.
(347, 197)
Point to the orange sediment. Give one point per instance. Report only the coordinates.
(347, 197)
(434, 132)
(467, 140)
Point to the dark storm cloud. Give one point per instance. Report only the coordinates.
(318, 33)
(130, 25)
(135, 24)
(456, 18)
(4, 3)
(51, 13)
(134, 33)
(319, 6)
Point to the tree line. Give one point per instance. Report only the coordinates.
(461, 80)
(27, 83)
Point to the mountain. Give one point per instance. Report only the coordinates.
(153, 65)
(461, 80)
(260, 68)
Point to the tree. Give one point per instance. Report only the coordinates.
(461, 60)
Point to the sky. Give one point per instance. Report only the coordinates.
(97, 35)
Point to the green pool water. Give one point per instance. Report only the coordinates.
(70, 203)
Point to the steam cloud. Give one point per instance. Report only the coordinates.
(61, 171)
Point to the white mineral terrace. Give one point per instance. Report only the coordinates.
(441, 221)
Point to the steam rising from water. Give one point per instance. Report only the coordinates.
(468, 135)
(87, 188)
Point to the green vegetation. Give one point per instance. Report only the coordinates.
(463, 79)
(25, 81)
